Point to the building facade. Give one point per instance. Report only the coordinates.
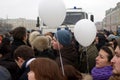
(112, 18)
(99, 26)
(29, 24)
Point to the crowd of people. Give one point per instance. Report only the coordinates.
(58, 56)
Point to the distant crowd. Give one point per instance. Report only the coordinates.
(31, 55)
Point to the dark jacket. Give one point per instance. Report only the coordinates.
(25, 69)
(16, 43)
(69, 56)
(46, 53)
(9, 63)
(11, 66)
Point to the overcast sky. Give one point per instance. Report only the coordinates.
(29, 8)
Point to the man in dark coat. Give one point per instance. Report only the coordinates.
(62, 41)
(87, 58)
(19, 35)
(23, 56)
(19, 38)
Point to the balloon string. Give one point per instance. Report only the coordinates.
(61, 60)
(87, 60)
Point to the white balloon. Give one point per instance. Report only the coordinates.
(52, 12)
(85, 32)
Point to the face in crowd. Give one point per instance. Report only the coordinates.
(104, 57)
(31, 75)
(101, 59)
(116, 61)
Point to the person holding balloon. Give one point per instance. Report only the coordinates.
(85, 33)
(62, 42)
(53, 13)
(87, 58)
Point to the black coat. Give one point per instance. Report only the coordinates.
(11, 66)
(48, 53)
(25, 69)
(8, 60)
(16, 43)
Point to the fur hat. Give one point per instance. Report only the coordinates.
(40, 43)
(64, 37)
(4, 74)
(86, 76)
(33, 35)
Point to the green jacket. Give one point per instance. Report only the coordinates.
(87, 58)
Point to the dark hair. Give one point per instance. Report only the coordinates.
(49, 34)
(101, 40)
(5, 46)
(19, 33)
(71, 73)
(118, 42)
(24, 52)
(110, 51)
(45, 69)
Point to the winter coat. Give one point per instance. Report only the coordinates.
(16, 43)
(48, 53)
(87, 59)
(11, 66)
(25, 69)
(69, 56)
(8, 60)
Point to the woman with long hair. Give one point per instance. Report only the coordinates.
(44, 69)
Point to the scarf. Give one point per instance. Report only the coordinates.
(102, 73)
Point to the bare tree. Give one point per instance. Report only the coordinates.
(4, 27)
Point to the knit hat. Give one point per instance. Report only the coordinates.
(64, 37)
(4, 74)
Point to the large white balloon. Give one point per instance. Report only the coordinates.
(85, 32)
(52, 12)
